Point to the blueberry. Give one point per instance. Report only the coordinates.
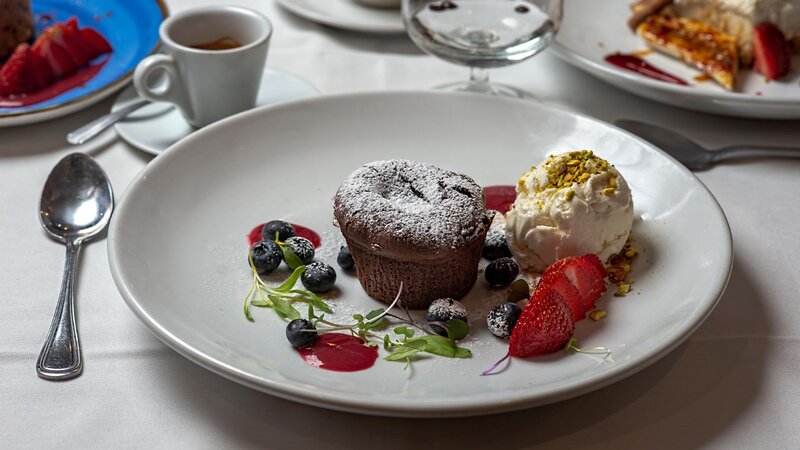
(502, 318)
(501, 272)
(345, 258)
(495, 246)
(318, 277)
(301, 247)
(266, 256)
(299, 338)
(285, 230)
(445, 309)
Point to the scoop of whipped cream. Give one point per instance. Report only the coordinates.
(569, 205)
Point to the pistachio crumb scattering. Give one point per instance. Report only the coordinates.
(597, 314)
(619, 267)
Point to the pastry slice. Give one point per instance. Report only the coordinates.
(695, 43)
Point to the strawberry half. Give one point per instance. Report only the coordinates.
(23, 73)
(771, 52)
(544, 326)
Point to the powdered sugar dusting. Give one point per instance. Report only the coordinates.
(424, 207)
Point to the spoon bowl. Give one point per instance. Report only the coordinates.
(76, 205)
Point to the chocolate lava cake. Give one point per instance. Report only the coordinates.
(416, 223)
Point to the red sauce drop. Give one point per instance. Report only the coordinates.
(78, 78)
(640, 66)
(255, 234)
(500, 198)
(339, 352)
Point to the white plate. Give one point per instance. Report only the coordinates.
(155, 127)
(348, 15)
(589, 33)
(178, 252)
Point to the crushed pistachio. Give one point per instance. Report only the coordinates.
(597, 314)
(565, 169)
(619, 267)
(622, 289)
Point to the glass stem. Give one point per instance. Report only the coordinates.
(478, 75)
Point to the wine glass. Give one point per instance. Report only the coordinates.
(482, 34)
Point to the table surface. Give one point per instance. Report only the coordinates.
(733, 384)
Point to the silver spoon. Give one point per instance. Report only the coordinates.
(97, 126)
(76, 205)
(695, 157)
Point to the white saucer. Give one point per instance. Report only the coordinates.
(157, 126)
(348, 15)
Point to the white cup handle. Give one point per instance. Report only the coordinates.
(171, 91)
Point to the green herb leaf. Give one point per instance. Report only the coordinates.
(312, 299)
(290, 282)
(439, 345)
(401, 353)
(291, 259)
(284, 308)
(387, 343)
(405, 331)
(377, 324)
(260, 303)
(456, 329)
(462, 352)
(374, 313)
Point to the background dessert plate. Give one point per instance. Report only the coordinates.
(348, 15)
(588, 34)
(130, 27)
(153, 128)
(178, 246)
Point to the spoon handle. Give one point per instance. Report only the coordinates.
(97, 126)
(60, 357)
(746, 152)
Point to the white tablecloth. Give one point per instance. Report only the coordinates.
(733, 384)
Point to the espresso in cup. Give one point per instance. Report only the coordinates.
(223, 43)
(213, 62)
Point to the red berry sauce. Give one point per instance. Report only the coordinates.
(500, 198)
(72, 81)
(255, 234)
(339, 352)
(640, 66)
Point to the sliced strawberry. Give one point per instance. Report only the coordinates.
(557, 281)
(75, 45)
(545, 325)
(95, 41)
(772, 54)
(586, 277)
(56, 56)
(20, 75)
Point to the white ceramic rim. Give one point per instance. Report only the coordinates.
(334, 22)
(458, 407)
(591, 66)
(164, 32)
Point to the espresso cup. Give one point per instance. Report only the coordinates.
(212, 63)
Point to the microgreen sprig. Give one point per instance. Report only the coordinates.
(281, 298)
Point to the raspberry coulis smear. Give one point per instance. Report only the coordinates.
(640, 66)
(339, 352)
(500, 198)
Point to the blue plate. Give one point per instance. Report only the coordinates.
(131, 27)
